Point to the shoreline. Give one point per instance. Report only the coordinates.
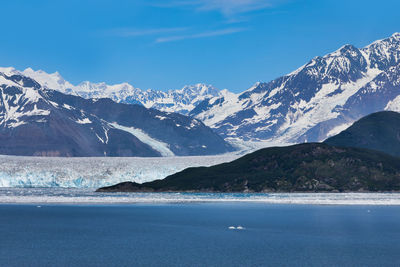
(57, 196)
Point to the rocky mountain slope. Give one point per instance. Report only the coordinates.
(316, 101)
(180, 100)
(39, 121)
(307, 167)
(378, 131)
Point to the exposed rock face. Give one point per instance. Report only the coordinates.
(310, 167)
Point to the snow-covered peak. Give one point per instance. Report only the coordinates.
(257, 84)
(341, 51)
(379, 54)
(21, 99)
(339, 61)
(51, 123)
(314, 101)
(8, 71)
(391, 43)
(200, 89)
(52, 81)
(383, 54)
(179, 100)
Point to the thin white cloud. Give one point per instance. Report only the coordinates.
(232, 7)
(226, 7)
(199, 35)
(128, 32)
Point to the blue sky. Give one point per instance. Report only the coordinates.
(163, 44)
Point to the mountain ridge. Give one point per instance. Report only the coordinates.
(315, 101)
(179, 100)
(38, 121)
(378, 131)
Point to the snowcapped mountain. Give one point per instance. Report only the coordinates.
(316, 101)
(181, 100)
(38, 121)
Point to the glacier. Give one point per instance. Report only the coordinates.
(157, 145)
(94, 172)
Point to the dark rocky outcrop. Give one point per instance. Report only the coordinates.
(378, 131)
(310, 167)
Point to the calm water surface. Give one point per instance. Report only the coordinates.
(198, 234)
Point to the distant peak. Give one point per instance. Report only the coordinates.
(257, 84)
(347, 47)
(197, 85)
(56, 73)
(29, 69)
(342, 51)
(200, 84)
(396, 35)
(8, 70)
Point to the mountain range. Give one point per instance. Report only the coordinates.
(181, 100)
(316, 101)
(38, 121)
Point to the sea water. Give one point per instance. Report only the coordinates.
(198, 233)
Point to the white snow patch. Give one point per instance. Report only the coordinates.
(157, 145)
(338, 129)
(161, 117)
(53, 103)
(394, 105)
(16, 124)
(67, 106)
(36, 112)
(84, 121)
(101, 139)
(218, 113)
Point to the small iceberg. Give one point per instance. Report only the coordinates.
(236, 228)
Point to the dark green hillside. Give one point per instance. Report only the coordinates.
(379, 131)
(308, 167)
